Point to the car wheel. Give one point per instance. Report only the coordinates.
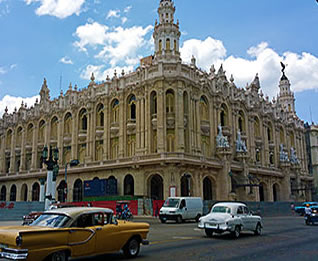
(58, 256)
(209, 232)
(237, 231)
(258, 230)
(179, 219)
(131, 249)
(163, 221)
(197, 218)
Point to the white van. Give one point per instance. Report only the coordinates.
(181, 208)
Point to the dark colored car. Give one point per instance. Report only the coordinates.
(33, 215)
(301, 209)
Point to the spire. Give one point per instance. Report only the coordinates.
(286, 97)
(166, 33)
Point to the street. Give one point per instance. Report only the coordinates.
(283, 238)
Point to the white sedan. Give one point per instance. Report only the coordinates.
(232, 217)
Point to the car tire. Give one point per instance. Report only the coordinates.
(209, 232)
(179, 219)
(58, 256)
(258, 230)
(197, 218)
(131, 249)
(237, 231)
(163, 221)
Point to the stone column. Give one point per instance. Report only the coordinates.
(93, 134)
(143, 126)
(179, 119)
(23, 150)
(138, 125)
(34, 147)
(88, 150)
(198, 125)
(12, 151)
(106, 130)
(161, 119)
(60, 141)
(2, 154)
(74, 148)
(122, 126)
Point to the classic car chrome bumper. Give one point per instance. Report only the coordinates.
(14, 254)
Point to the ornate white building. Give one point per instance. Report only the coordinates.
(168, 128)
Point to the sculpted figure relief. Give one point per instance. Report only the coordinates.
(221, 141)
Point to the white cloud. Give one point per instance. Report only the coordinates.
(12, 102)
(124, 20)
(113, 13)
(66, 60)
(91, 34)
(117, 44)
(206, 52)
(302, 70)
(3, 70)
(59, 8)
(123, 43)
(127, 9)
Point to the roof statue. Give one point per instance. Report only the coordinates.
(283, 155)
(240, 144)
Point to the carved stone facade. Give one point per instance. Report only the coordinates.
(155, 130)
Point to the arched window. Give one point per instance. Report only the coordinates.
(275, 192)
(153, 103)
(292, 140)
(257, 131)
(186, 185)
(61, 191)
(204, 109)
(115, 111)
(270, 133)
(29, 135)
(169, 101)
(262, 192)
(54, 123)
(241, 121)
(282, 136)
(160, 45)
(168, 44)
(13, 193)
(132, 107)
(129, 185)
(19, 137)
(170, 142)
(207, 189)
(8, 139)
(83, 119)
(175, 45)
(156, 187)
(224, 116)
(78, 191)
(3, 194)
(68, 123)
(100, 115)
(41, 131)
(24, 193)
(35, 192)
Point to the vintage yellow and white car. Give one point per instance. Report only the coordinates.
(60, 234)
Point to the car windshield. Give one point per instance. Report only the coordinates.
(221, 209)
(171, 203)
(51, 220)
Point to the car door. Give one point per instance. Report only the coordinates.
(82, 236)
(250, 221)
(109, 235)
(243, 217)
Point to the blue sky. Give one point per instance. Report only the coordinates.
(66, 40)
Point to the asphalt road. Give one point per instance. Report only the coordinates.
(283, 238)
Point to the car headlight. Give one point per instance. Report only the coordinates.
(18, 241)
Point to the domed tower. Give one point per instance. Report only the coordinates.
(286, 97)
(166, 34)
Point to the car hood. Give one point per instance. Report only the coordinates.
(217, 217)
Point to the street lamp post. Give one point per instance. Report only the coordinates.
(50, 161)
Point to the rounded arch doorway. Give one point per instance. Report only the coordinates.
(156, 187)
